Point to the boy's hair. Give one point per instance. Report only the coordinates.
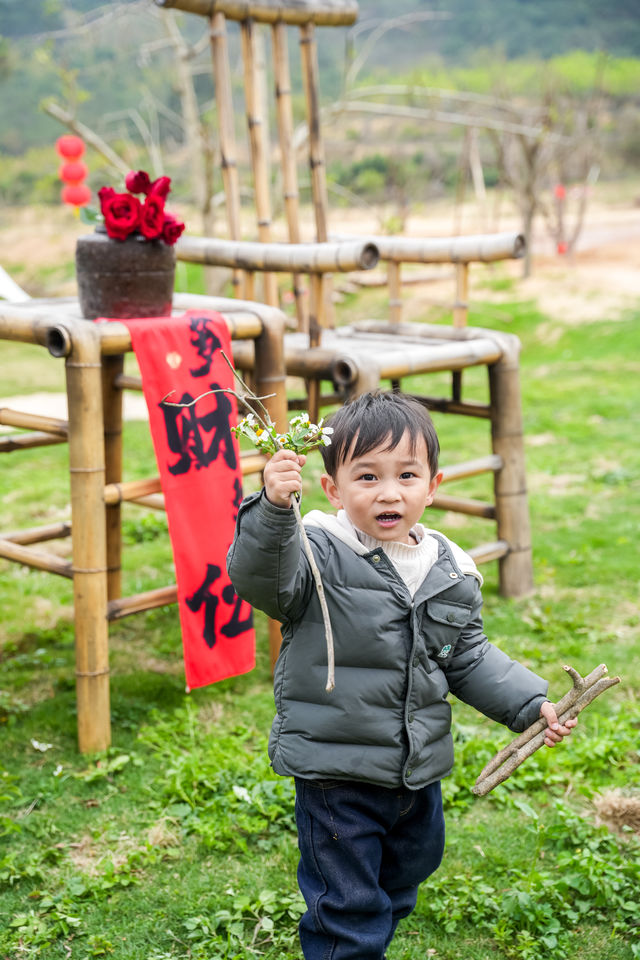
(371, 419)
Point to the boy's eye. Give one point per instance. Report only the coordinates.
(407, 475)
(367, 476)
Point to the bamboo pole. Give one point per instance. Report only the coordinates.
(270, 382)
(445, 405)
(112, 368)
(10, 550)
(87, 470)
(126, 382)
(474, 508)
(259, 147)
(51, 531)
(311, 80)
(139, 602)
(33, 421)
(489, 551)
(461, 305)
(475, 248)
(510, 483)
(395, 291)
(27, 441)
(115, 493)
(288, 158)
(279, 257)
(471, 468)
(328, 13)
(226, 130)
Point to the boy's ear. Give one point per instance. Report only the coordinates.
(433, 488)
(331, 491)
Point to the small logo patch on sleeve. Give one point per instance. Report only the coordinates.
(445, 650)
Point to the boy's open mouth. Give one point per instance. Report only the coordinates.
(386, 518)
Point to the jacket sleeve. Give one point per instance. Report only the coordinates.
(486, 678)
(266, 564)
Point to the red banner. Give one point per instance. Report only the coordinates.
(199, 466)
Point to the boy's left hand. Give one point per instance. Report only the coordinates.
(555, 731)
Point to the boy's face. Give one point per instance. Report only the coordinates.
(384, 492)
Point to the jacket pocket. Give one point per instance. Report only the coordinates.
(442, 627)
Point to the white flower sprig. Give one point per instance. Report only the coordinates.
(301, 437)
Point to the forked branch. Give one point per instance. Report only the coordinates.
(584, 691)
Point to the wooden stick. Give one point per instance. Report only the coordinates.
(583, 692)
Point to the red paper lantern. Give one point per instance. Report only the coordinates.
(76, 194)
(73, 171)
(70, 146)
(562, 247)
(560, 191)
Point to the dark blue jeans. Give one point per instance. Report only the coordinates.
(364, 850)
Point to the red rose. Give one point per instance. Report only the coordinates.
(105, 193)
(121, 213)
(171, 229)
(161, 187)
(137, 182)
(152, 217)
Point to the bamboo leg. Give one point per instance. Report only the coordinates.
(288, 158)
(87, 470)
(224, 107)
(310, 75)
(112, 367)
(259, 150)
(461, 305)
(512, 510)
(395, 291)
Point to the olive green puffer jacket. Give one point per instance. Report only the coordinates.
(388, 720)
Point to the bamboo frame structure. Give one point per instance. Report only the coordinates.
(364, 355)
(93, 363)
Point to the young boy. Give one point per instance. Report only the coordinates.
(405, 605)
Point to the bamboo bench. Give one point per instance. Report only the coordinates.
(94, 360)
(365, 355)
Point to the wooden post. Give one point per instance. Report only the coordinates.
(510, 484)
(259, 148)
(288, 158)
(112, 367)
(87, 470)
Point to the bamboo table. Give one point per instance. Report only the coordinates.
(94, 360)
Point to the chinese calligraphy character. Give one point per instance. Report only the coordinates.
(206, 343)
(197, 438)
(204, 596)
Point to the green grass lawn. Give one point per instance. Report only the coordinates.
(178, 842)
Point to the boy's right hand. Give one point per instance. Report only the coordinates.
(282, 477)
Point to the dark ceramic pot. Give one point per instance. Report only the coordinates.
(124, 278)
